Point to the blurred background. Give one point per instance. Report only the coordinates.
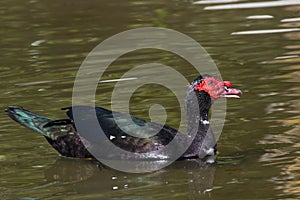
(255, 44)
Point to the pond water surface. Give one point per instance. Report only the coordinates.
(255, 44)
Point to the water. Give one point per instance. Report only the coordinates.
(256, 46)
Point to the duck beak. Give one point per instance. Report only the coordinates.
(231, 93)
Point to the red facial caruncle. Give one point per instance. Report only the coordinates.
(217, 88)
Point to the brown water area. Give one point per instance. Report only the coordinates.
(255, 44)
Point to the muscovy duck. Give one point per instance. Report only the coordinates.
(63, 136)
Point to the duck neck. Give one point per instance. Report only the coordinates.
(197, 108)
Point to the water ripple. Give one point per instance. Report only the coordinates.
(267, 31)
(264, 4)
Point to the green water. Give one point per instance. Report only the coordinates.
(43, 43)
